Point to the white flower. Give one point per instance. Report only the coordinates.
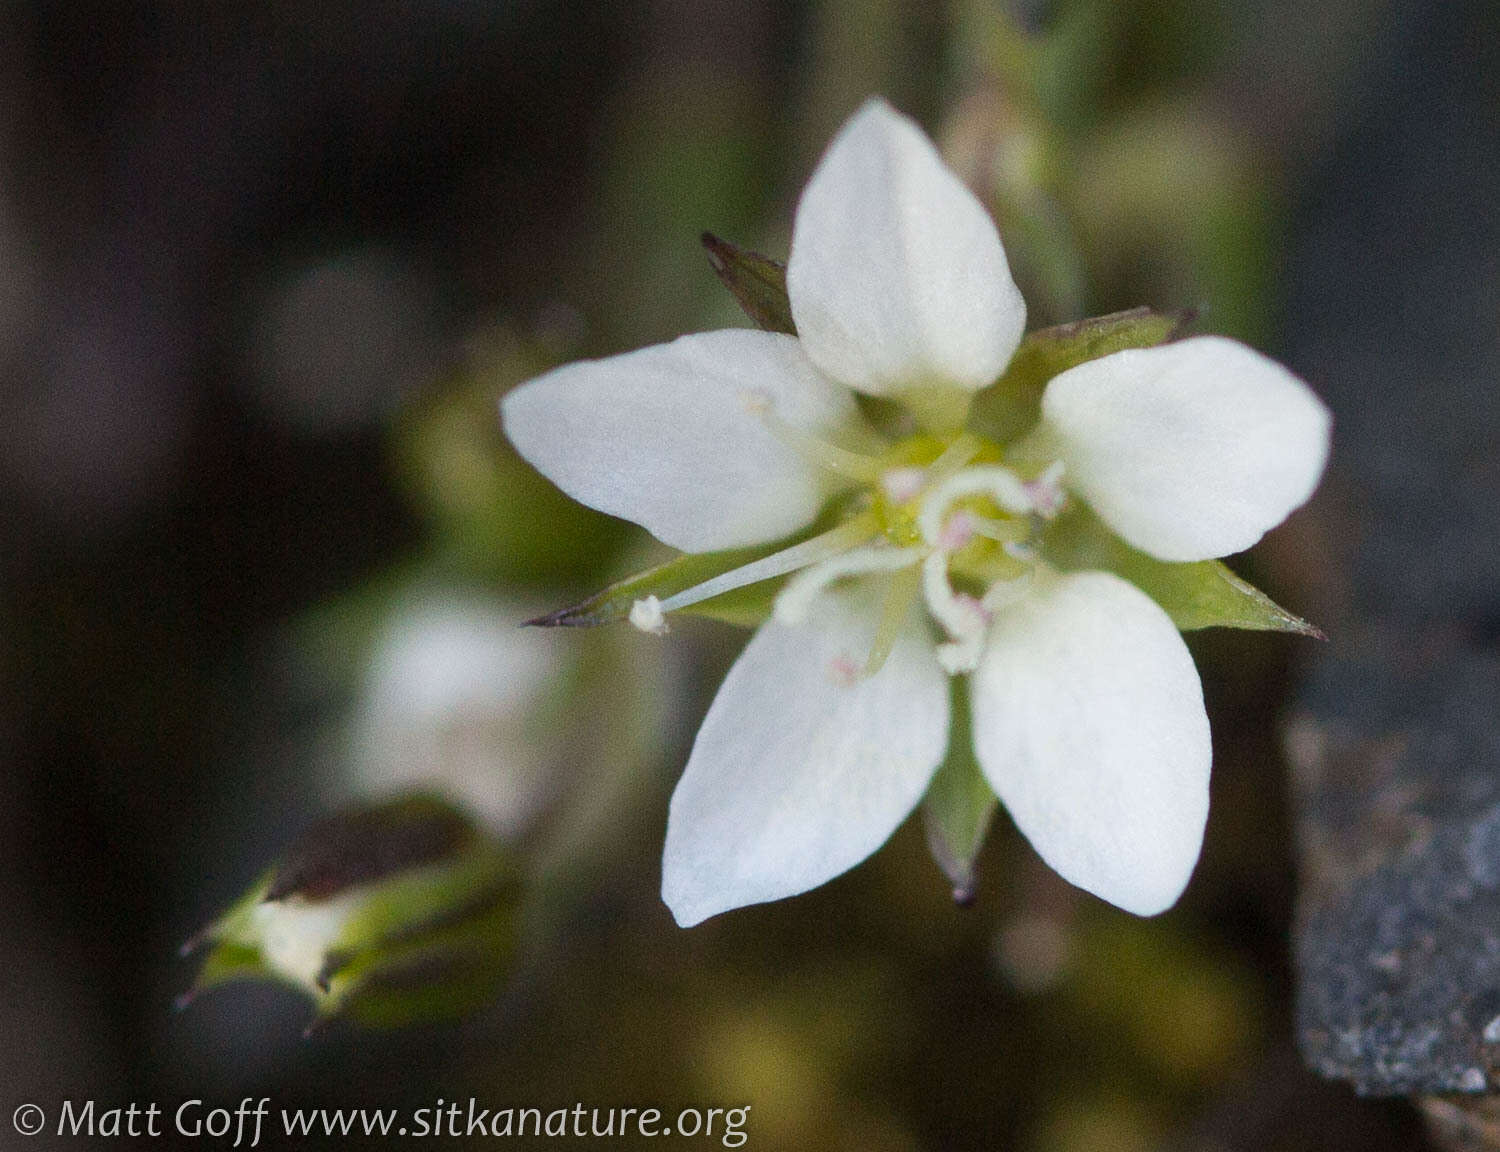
(1088, 714)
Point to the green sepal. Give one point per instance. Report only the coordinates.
(960, 804)
(675, 575)
(758, 283)
(747, 607)
(1201, 594)
(1012, 405)
(440, 965)
(229, 957)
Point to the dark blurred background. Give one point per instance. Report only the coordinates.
(265, 268)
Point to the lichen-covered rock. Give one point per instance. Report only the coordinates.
(1396, 759)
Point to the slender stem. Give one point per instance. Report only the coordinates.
(847, 535)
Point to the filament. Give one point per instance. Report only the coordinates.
(848, 534)
(796, 598)
(1001, 484)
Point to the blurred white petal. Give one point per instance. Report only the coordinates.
(1089, 725)
(455, 702)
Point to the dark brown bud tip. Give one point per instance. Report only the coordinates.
(715, 248)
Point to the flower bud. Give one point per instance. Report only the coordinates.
(391, 914)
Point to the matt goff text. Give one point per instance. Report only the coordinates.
(244, 1125)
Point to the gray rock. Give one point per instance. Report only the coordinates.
(1396, 742)
(1396, 761)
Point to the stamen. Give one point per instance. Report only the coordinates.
(1001, 531)
(903, 484)
(1046, 491)
(847, 535)
(647, 616)
(906, 586)
(1003, 485)
(957, 532)
(841, 461)
(794, 601)
(962, 617)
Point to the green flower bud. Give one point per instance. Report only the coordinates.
(391, 914)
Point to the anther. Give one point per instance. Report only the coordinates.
(903, 484)
(957, 532)
(1046, 491)
(646, 616)
(843, 671)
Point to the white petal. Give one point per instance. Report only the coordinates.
(897, 277)
(800, 772)
(1089, 725)
(1189, 450)
(669, 436)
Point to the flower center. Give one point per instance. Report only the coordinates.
(954, 533)
(939, 519)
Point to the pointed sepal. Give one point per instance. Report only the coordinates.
(1202, 594)
(745, 606)
(758, 283)
(1012, 405)
(959, 805)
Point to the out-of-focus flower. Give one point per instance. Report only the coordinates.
(459, 701)
(456, 699)
(1087, 713)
